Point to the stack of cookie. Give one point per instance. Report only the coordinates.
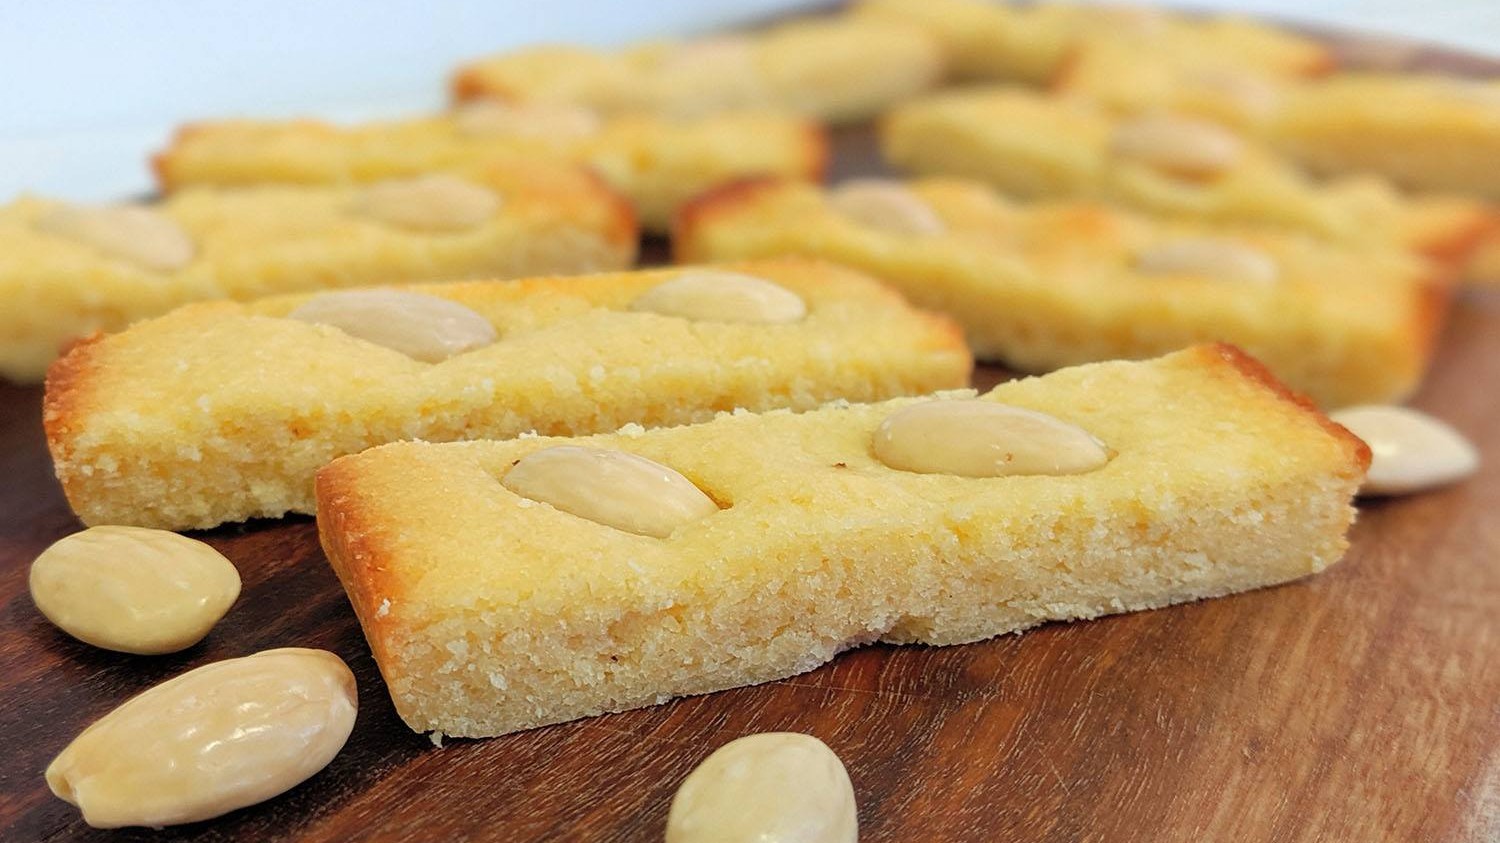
(575, 493)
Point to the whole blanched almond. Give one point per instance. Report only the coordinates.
(436, 202)
(540, 120)
(221, 737)
(974, 438)
(132, 589)
(1211, 257)
(1178, 145)
(885, 205)
(133, 233)
(423, 327)
(719, 296)
(614, 488)
(1251, 95)
(775, 786)
(1410, 450)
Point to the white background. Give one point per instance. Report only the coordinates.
(88, 88)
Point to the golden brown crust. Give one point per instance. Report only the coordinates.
(625, 224)
(64, 397)
(949, 334)
(354, 552)
(468, 84)
(160, 163)
(163, 161)
(68, 379)
(819, 147)
(1324, 64)
(1062, 77)
(484, 635)
(1457, 246)
(710, 203)
(1256, 372)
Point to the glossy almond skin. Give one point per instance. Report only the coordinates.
(775, 787)
(972, 438)
(717, 296)
(133, 233)
(428, 203)
(539, 120)
(1410, 451)
(887, 206)
(132, 589)
(426, 328)
(221, 737)
(1209, 257)
(1178, 145)
(614, 488)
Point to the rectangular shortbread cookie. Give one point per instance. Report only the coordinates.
(241, 244)
(1039, 147)
(223, 411)
(1056, 284)
(1119, 76)
(985, 40)
(1422, 132)
(489, 612)
(836, 69)
(656, 163)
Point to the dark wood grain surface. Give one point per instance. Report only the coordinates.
(1359, 705)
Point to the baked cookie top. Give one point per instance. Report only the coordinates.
(837, 69)
(1422, 132)
(68, 270)
(416, 525)
(231, 152)
(1036, 146)
(222, 411)
(257, 241)
(1040, 42)
(1084, 241)
(1050, 284)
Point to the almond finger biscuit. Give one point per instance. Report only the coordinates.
(492, 606)
(222, 411)
(837, 70)
(67, 271)
(1038, 147)
(656, 163)
(1051, 285)
(1422, 132)
(985, 40)
(1216, 87)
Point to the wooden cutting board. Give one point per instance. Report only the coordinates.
(1360, 705)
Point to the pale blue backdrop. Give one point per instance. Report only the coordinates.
(88, 88)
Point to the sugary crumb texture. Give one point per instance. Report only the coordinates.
(835, 69)
(1051, 284)
(489, 613)
(223, 411)
(1422, 132)
(1040, 42)
(270, 240)
(656, 163)
(1034, 146)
